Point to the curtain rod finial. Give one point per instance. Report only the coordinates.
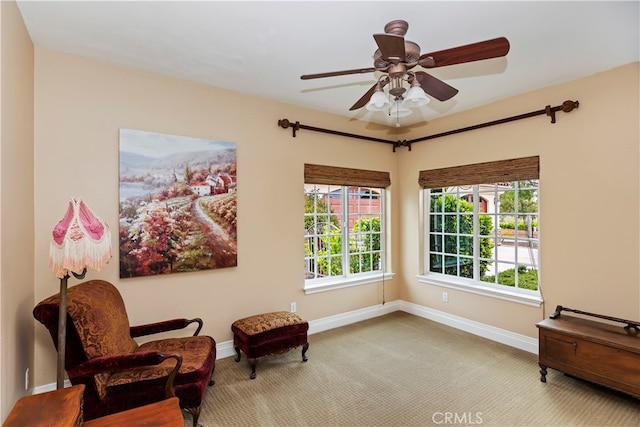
(569, 106)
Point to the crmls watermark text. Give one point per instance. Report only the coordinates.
(457, 418)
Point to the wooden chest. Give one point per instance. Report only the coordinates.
(603, 353)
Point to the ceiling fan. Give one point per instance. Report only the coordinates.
(396, 57)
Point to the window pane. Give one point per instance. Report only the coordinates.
(490, 252)
(451, 265)
(436, 243)
(365, 213)
(343, 233)
(487, 225)
(506, 275)
(466, 267)
(334, 267)
(451, 244)
(436, 222)
(488, 278)
(500, 244)
(528, 278)
(323, 241)
(451, 223)
(465, 224)
(436, 203)
(355, 263)
(465, 245)
(435, 263)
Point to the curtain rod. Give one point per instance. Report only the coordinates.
(566, 107)
(284, 123)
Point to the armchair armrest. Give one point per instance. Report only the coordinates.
(164, 326)
(102, 364)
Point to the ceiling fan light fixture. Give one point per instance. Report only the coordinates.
(415, 97)
(379, 101)
(395, 57)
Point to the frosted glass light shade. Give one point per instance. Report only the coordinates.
(378, 101)
(398, 109)
(415, 97)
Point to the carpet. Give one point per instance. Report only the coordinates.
(404, 370)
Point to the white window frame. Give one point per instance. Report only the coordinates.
(348, 279)
(475, 286)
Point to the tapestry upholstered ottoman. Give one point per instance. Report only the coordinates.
(269, 333)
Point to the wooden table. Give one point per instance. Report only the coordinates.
(58, 408)
(63, 408)
(165, 413)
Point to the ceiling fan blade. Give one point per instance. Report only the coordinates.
(391, 47)
(337, 73)
(365, 98)
(487, 49)
(435, 87)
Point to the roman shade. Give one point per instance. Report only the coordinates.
(318, 174)
(481, 173)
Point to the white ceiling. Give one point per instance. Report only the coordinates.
(262, 47)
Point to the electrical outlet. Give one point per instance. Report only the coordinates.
(293, 307)
(26, 379)
(445, 297)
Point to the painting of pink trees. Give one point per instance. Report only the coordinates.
(177, 204)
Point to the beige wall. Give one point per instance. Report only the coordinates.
(589, 197)
(589, 164)
(16, 206)
(81, 105)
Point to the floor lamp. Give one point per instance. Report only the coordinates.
(80, 240)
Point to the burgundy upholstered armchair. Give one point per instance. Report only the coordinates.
(118, 373)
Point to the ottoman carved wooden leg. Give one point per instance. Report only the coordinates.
(269, 333)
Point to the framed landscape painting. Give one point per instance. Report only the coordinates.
(177, 204)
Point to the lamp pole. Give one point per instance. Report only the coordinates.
(62, 331)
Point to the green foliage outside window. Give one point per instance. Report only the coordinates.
(361, 246)
(454, 218)
(522, 225)
(326, 244)
(527, 278)
(527, 199)
(329, 253)
(312, 200)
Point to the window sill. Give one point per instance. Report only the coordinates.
(488, 291)
(342, 282)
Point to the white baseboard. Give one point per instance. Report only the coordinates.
(350, 317)
(503, 336)
(226, 349)
(49, 387)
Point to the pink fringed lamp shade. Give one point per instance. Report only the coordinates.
(80, 240)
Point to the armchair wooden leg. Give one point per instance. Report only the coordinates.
(195, 413)
(211, 380)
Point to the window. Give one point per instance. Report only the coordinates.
(483, 234)
(343, 225)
